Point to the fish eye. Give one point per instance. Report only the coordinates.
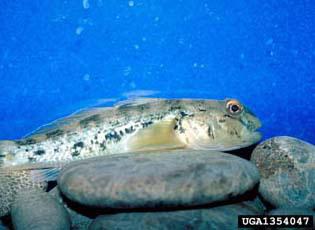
(234, 107)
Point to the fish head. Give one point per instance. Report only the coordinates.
(220, 125)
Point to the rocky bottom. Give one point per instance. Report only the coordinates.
(179, 189)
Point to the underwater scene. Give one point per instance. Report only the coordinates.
(143, 114)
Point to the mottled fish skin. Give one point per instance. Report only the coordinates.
(11, 182)
(139, 125)
(197, 124)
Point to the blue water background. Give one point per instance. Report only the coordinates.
(59, 56)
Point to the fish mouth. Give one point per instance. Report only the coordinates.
(249, 139)
(252, 139)
(257, 135)
(254, 124)
(258, 124)
(254, 131)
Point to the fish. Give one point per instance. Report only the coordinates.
(139, 124)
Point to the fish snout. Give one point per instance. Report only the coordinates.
(253, 126)
(252, 123)
(258, 123)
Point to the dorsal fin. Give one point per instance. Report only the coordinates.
(69, 122)
(84, 116)
(136, 102)
(140, 93)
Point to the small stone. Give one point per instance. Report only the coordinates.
(79, 221)
(159, 179)
(221, 217)
(35, 209)
(286, 166)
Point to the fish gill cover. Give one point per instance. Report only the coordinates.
(60, 56)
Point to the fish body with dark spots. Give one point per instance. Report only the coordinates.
(136, 125)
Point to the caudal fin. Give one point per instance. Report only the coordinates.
(6, 147)
(26, 177)
(14, 178)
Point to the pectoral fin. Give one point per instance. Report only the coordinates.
(158, 136)
(50, 174)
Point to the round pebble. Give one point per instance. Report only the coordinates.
(160, 179)
(35, 209)
(221, 217)
(287, 169)
(79, 220)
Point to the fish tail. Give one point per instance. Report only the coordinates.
(7, 143)
(14, 179)
(6, 149)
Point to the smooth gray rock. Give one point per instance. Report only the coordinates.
(35, 209)
(78, 220)
(159, 179)
(287, 169)
(221, 217)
